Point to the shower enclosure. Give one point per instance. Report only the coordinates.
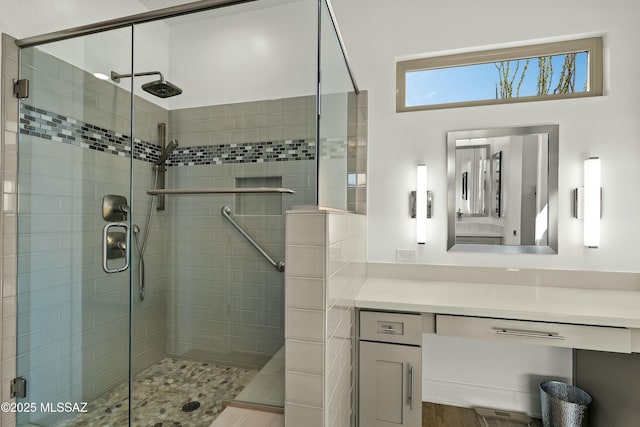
(241, 130)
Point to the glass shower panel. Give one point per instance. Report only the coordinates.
(73, 317)
(211, 325)
(337, 124)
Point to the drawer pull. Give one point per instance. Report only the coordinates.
(529, 334)
(388, 329)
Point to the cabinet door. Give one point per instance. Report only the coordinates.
(390, 385)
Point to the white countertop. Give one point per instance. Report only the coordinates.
(547, 304)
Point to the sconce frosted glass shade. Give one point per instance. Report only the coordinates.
(592, 202)
(421, 204)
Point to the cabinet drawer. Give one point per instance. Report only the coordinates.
(391, 327)
(551, 334)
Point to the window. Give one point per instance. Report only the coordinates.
(569, 69)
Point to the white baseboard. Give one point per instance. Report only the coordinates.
(470, 396)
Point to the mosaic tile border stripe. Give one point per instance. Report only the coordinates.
(55, 127)
(258, 152)
(59, 128)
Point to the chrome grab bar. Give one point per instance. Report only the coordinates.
(272, 190)
(106, 241)
(529, 334)
(226, 212)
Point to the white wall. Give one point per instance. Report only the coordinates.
(377, 33)
(267, 53)
(28, 18)
(243, 53)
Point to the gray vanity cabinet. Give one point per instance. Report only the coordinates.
(389, 385)
(390, 373)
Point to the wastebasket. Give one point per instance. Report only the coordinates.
(564, 405)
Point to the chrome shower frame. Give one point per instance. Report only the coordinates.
(126, 21)
(168, 12)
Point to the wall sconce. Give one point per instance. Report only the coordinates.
(588, 202)
(420, 203)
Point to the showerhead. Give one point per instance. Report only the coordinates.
(173, 144)
(161, 88)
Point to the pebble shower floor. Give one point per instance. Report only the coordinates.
(160, 392)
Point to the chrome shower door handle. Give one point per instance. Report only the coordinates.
(111, 243)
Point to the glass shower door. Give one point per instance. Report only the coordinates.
(341, 159)
(73, 316)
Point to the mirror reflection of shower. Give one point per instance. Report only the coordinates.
(159, 168)
(160, 88)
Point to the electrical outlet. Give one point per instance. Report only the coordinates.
(405, 255)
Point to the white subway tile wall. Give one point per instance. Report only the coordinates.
(305, 356)
(330, 249)
(306, 264)
(303, 415)
(347, 272)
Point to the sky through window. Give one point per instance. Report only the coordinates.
(547, 75)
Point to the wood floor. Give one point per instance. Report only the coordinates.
(435, 415)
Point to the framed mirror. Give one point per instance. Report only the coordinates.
(502, 194)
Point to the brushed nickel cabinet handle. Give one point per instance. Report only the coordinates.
(410, 394)
(388, 329)
(529, 334)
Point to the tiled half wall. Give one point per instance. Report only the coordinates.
(326, 253)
